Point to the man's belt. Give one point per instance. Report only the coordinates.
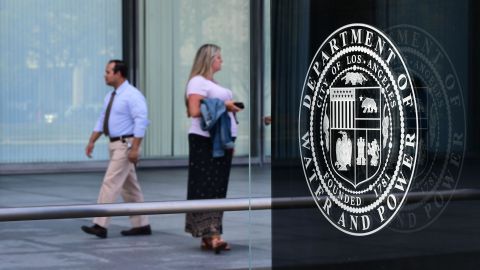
(114, 139)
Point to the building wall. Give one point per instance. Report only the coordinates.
(52, 59)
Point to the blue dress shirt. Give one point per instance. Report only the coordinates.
(128, 114)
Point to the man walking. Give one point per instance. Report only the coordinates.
(123, 121)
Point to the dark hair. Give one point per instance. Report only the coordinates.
(120, 66)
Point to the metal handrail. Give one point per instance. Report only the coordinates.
(175, 207)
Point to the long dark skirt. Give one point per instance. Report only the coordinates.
(207, 179)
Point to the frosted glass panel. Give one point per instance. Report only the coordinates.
(174, 30)
(52, 59)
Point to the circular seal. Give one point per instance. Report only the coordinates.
(358, 129)
(442, 127)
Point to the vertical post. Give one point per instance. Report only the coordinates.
(130, 38)
(256, 79)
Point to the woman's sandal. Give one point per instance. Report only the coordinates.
(206, 243)
(218, 245)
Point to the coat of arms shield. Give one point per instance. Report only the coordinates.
(358, 130)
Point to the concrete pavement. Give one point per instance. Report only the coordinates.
(60, 244)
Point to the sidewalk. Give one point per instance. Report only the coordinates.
(60, 244)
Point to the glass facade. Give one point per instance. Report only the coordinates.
(52, 72)
(329, 61)
(52, 59)
(173, 32)
(52, 62)
(365, 111)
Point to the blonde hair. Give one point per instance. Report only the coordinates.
(202, 64)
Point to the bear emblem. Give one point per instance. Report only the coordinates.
(354, 78)
(369, 105)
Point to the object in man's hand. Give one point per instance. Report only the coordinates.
(239, 105)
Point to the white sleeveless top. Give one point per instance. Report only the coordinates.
(206, 88)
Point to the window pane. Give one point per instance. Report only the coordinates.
(174, 30)
(52, 59)
(267, 95)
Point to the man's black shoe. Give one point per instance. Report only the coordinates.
(144, 230)
(97, 230)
